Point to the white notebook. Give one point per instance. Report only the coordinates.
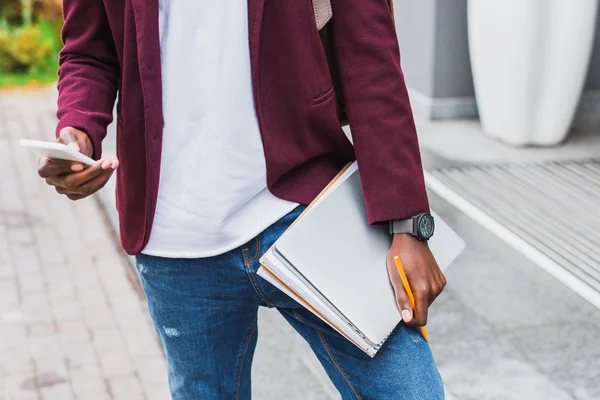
(333, 262)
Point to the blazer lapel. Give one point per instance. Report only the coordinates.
(145, 13)
(145, 16)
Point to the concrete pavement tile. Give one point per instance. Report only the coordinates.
(44, 347)
(568, 354)
(488, 369)
(104, 395)
(126, 387)
(40, 329)
(115, 287)
(80, 355)
(146, 348)
(85, 278)
(92, 297)
(31, 283)
(87, 381)
(152, 372)
(462, 360)
(591, 393)
(11, 315)
(102, 318)
(52, 367)
(34, 300)
(38, 315)
(158, 393)
(126, 303)
(450, 319)
(67, 311)
(448, 395)
(57, 392)
(48, 244)
(108, 339)
(73, 331)
(115, 363)
(21, 387)
(511, 388)
(138, 328)
(16, 363)
(6, 271)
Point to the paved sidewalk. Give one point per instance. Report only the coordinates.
(71, 326)
(71, 322)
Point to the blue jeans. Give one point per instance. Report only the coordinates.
(205, 313)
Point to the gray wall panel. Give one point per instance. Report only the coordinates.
(593, 82)
(415, 24)
(452, 68)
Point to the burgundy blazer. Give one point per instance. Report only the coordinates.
(111, 48)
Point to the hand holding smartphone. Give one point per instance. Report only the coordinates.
(67, 167)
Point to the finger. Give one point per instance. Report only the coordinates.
(75, 179)
(96, 184)
(67, 136)
(110, 163)
(402, 299)
(440, 284)
(90, 187)
(421, 309)
(48, 167)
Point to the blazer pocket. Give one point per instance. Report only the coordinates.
(326, 95)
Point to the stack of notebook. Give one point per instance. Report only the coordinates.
(333, 262)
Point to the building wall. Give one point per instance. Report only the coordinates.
(416, 26)
(593, 82)
(435, 58)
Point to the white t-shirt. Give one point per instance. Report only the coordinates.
(212, 195)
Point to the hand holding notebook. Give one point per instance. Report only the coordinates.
(333, 239)
(421, 273)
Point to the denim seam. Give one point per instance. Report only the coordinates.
(255, 257)
(241, 360)
(297, 316)
(253, 281)
(258, 290)
(337, 365)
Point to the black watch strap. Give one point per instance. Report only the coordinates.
(403, 226)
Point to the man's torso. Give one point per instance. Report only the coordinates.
(213, 192)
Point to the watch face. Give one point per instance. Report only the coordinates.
(426, 226)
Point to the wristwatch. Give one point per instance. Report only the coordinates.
(420, 226)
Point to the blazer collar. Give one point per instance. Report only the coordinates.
(145, 13)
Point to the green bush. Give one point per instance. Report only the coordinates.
(29, 41)
(7, 63)
(24, 49)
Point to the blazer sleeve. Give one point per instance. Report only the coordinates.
(378, 108)
(88, 72)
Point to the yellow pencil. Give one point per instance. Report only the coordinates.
(408, 290)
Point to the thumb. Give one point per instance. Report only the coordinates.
(402, 299)
(68, 136)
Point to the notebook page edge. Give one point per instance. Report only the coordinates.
(270, 270)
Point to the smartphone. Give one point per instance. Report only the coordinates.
(58, 151)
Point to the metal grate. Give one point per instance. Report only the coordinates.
(553, 206)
